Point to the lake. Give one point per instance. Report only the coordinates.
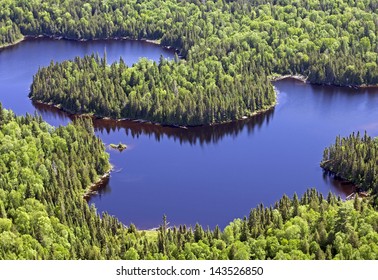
(209, 174)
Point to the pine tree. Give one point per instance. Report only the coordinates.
(198, 233)
(244, 231)
(295, 205)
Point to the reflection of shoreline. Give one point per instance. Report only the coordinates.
(193, 135)
(44, 110)
(340, 185)
(101, 188)
(57, 38)
(99, 117)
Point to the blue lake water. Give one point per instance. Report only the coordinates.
(209, 175)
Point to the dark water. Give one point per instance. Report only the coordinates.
(209, 175)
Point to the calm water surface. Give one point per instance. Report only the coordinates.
(209, 175)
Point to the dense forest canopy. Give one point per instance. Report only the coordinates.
(88, 85)
(230, 47)
(354, 158)
(45, 171)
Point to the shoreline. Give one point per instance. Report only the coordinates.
(356, 189)
(304, 79)
(142, 121)
(54, 37)
(3, 47)
(95, 186)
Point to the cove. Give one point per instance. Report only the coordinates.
(209, 174)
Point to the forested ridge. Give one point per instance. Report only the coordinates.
(354, 158)
(230, 47)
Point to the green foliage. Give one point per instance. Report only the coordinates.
(321, 229)
(354, 158)
(44, 172)
(164, 93)
(230, 47)
(9, 33)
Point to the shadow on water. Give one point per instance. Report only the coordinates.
(208, 134)
(340, 186)
(48, 112)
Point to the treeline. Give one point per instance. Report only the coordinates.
(312, 227)
(163, 92)
(331, 42)
(354, 158)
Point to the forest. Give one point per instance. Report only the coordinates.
(354, 158)
(45, 171)
(229, 48)
(119, 91)
(229, 51)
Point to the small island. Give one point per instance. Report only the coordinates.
(120, 146)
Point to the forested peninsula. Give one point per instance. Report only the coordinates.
(354, 158)
(230, 48)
